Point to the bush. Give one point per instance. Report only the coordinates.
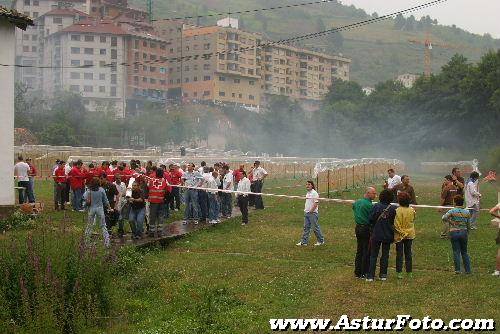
(52, 283)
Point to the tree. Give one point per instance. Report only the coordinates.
(399, 22)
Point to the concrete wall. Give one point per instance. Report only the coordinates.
(7, 56)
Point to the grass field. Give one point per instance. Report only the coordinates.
(232, 278)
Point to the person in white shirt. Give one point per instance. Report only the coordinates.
(472, 198)
(120, 201)
(393, 179)
(226, 198)
(213, 203)
(243, 187)
(311, 216)
(201, 169)
(21, 170)
(259, 174)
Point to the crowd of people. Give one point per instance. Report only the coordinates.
(384, 223)
(117, 192)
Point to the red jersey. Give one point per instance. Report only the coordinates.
(76, 178)
(157, 190)
(175, 177)
(33, 171)
(60, 175)
(238, 175)
(169, 182)
(91, 173)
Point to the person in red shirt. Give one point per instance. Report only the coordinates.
(91, 173)
(237, 176)
(157, 191)
(175, 176)
(59, 185)
(77, 184)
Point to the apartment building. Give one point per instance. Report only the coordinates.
(114, 9)
(27, 48)
(220, 64)
(86, 59)
(299, 73)
(147, 73)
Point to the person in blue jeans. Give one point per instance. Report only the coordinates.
(137, 212)
(311, 216)
(191, 178)
(459, 220)
(96, 201)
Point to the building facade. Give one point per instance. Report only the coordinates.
(85, 58)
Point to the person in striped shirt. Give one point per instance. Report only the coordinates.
(459, 219)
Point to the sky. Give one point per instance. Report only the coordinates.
(477, 16)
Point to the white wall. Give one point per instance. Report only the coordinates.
(7, 56)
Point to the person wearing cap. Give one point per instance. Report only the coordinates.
(259, 174)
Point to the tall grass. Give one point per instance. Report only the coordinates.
(52, 283)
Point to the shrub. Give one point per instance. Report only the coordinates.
(52, 283)
(18, 220)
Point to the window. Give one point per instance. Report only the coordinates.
(144, 79)
(26, 37)
(74, 88)
(251, 82)
(163, 82)
(251, 97)
(89, 51)
(152, 69)
(34, 37)
(88, 63)
(236, 81)
(206, 46)
(102, 51)
(151, 80)
(152, 57)
(113, 66)
(88, 89)
(144, 56)
(240, 95)
(136, 56)
(195, 79)
(102, 39)
(75, 62)
(221, 78)
(102, 76)
(33, 48)
(145, 44)
(144, 68)
(206, 93)
(136, 80)
(27, 2)
(35, 2)
(163, 46)
(186, 79)
(89, 38)
(113, 79)
(114, 41)
(88, 76)
(102, 89)
(35, 15)
(75, 50)
(206, 66)
(222, 93)
(113, 91)
(206, 78)
(74, 75)
(233, 94)
(114, 54)
(57, 20)
(186, 68)
(152, 45)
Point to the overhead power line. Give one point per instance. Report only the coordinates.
(270, 43)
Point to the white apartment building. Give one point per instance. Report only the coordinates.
(86, 58)
(27, 48)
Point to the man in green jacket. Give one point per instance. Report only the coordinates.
(362, 208)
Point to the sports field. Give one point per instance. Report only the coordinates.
(232, 279)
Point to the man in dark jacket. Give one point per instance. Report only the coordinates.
(382, 224)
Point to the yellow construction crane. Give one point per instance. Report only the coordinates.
(428, 45)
